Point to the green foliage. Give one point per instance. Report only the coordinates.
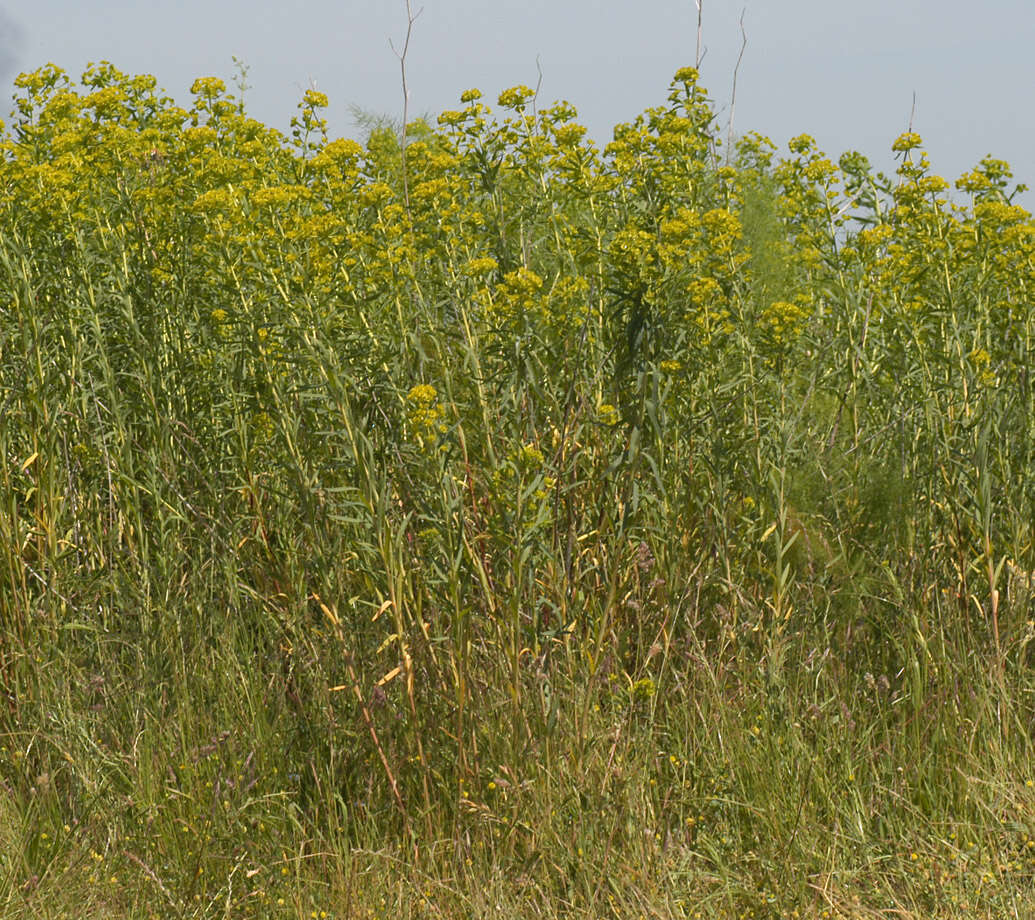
(577, 532)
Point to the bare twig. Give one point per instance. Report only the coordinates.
(698, 58)
(907, 155)
(411, 18)
(733, 95)
(538, 86)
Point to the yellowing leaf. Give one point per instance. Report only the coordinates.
(391, 675)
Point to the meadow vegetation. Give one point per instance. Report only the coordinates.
(506, 526)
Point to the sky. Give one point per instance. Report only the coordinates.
(852, 74)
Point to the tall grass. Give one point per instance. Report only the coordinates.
(587, 534)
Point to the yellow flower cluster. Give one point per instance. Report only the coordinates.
(425, 416)
(784, 321)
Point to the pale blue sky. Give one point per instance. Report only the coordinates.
(843, 72)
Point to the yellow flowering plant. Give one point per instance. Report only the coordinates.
(351, 447)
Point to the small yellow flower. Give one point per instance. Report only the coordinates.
(425, 415)
(783, 321)
(207, 87)
(315, 99)
(643, 689)
(908, 141)
(481, 266)
(515, 97)
(608, 415)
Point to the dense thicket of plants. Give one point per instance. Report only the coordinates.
(510, 527)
